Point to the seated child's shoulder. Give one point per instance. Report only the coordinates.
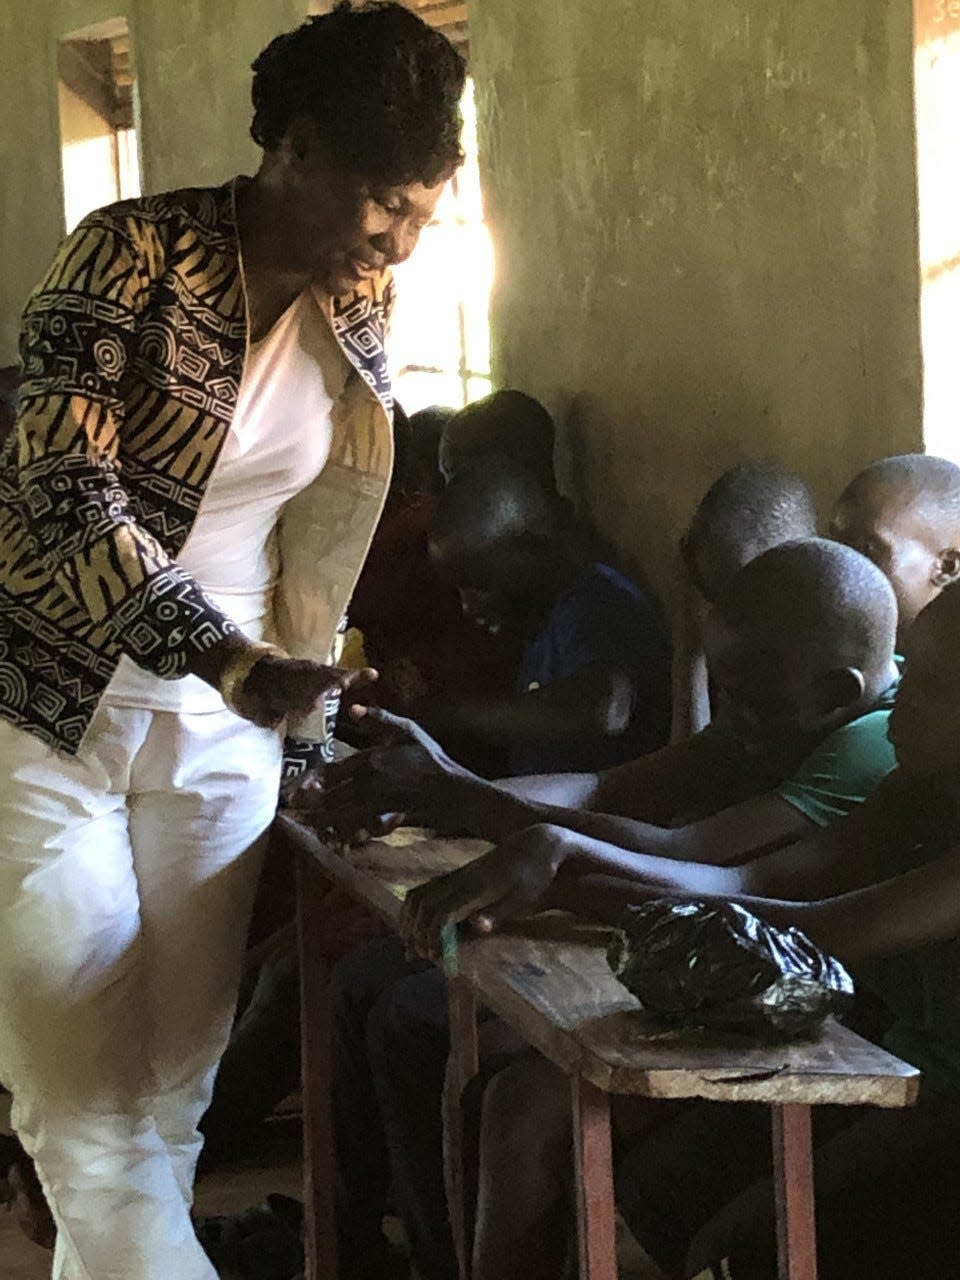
(845, 768)
(605, 595)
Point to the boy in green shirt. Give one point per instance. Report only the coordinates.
(678, 1164)
(888, 1183)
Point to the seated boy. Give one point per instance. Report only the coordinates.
(413, 628)
(594, 681)
(808, 666)
(904, 513)
(880, 892)
(595, 686)
(750, 509)
(506, 423)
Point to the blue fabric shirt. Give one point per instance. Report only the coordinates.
(603, 617)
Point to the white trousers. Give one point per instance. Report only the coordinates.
(127, 876)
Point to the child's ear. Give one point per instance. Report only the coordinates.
(948, 567)
(842, 688)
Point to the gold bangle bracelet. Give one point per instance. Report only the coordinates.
(237, 668)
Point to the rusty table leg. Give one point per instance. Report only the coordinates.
(793, 1187)
(320, 1243)
(593, 1151)
(463, 1063)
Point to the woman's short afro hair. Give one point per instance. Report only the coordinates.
(381, 86)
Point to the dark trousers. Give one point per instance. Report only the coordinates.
(390, 1047)
(696, 1190)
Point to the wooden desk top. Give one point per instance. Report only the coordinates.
(549, 979)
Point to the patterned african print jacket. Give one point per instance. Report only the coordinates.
(133, 349)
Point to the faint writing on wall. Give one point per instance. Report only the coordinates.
(946, 11)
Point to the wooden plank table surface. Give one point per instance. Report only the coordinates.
(548, 978)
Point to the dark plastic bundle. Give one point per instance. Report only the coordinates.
(717, 965)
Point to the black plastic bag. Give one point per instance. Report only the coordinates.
(716, 965)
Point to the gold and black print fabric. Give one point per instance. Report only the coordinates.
(132, 350)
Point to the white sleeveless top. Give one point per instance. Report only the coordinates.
(278, 442)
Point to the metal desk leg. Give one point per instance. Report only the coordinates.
(793, 1187)
(320, 1243)
(464, 1063)
(593, 1151)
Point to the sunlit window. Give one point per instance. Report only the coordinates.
(937, 80)
(98, 135)
(440, 340)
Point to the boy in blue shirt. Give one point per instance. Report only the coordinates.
(594, 689)
(594, 680)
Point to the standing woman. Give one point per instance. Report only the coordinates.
(201, 453)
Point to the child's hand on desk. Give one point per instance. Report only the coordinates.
(511, 880)
(401, 770)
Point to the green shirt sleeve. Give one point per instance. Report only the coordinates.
(843, 770)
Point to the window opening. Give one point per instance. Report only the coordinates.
(937, 88)
(97, 92)
(440, 338)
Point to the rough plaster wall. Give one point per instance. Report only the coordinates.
(704, 213)
(192, 59)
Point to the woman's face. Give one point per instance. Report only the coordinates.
(349, 228)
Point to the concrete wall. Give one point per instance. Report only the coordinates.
(706, 231)
(192, 59)
(704, 214)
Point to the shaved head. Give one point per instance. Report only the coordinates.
(491, 503)
(417, 463)
(507, 423)
(824, 598)
(921, 478)
(800, 642)
(748, 510)
(904, 513)
(497, 535)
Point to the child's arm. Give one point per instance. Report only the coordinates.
(406, 770)
(549, 865)
(691, 694)
(912, 910)
(585, 709)
(522, 874)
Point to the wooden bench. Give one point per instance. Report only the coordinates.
(551, 983)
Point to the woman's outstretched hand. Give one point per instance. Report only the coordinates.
(278, 687)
